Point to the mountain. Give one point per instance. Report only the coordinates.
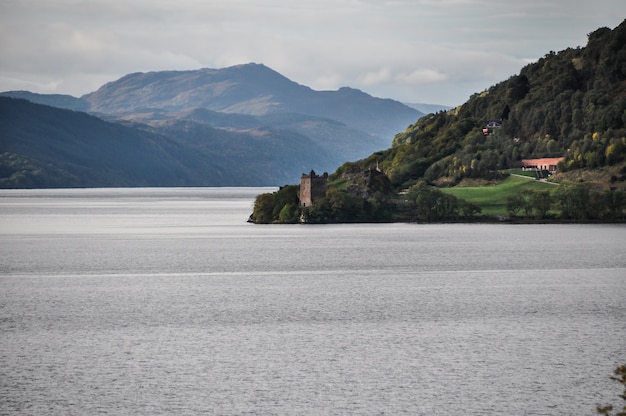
(251, 89)
(48, 147)
(253, 123)
(55, 100)
(44, 147)
(341, 142)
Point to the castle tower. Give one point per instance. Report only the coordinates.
(312, 187)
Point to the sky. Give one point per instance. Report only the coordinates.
(414, 51)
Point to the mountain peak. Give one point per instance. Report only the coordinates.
(252, 89)
(250, 65)
(350, 90)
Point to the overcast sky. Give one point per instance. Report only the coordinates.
(426, 51)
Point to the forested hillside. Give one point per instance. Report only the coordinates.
(571, 104)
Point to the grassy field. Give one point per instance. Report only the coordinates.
(492, 199)
(529, 173)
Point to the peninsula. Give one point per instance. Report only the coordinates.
(546, 144)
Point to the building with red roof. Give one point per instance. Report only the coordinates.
(548, 163)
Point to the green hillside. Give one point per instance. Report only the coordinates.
(570, 105)
(493, 199)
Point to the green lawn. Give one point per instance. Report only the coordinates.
(530, 173)
(492, 199)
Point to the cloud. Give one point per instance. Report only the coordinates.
(421, 76)
(376, 77)
(412, 50)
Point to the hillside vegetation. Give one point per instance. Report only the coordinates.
(570, 104)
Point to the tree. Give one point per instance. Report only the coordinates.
(290, 214)
(519, 86)
(541, 202)
(468, 209)
(514, 204)
(620, 377)
(528, 204)
(263, 208)
(320, 212)
(614, 204)
(433, 205)
(286, 196)
(574, 201)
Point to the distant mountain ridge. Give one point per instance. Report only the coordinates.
(251, 89)
(245, 125)
(67, 102)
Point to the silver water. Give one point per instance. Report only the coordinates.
(165, 301)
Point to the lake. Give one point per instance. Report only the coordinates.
(166, 301)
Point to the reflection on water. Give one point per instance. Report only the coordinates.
(165, 301)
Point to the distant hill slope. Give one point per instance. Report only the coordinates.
(340, 141)
(43, 147)
(267, 128)
(251, 89)
(568, 104)
(55, 100)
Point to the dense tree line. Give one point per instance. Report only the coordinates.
(570, 201)
(577, 202)
(422, 202)
(429, 204)
(336, 206)
(280, 206)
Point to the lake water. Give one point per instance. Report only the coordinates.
(166, 302)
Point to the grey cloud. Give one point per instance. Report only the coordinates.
(418, 50)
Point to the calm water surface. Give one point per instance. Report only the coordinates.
(165, 301)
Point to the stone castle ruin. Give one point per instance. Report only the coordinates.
(364, 184)
(312, 187)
